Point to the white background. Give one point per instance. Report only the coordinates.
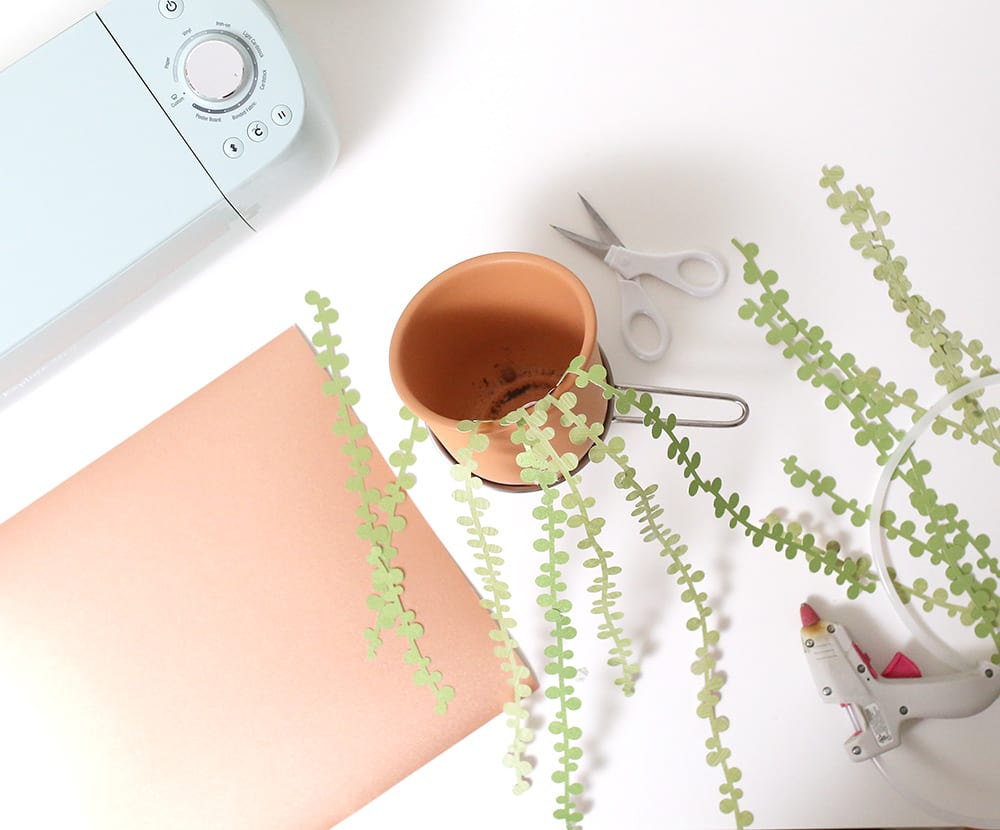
(468, 128)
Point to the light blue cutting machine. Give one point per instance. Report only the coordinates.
(150, 133)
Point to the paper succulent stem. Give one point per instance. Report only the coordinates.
(803, 343)
(844, 570)
(529, 428)
(824, 485)
(860, 391)
(870, 401)
(854, 390)
(907, 592)
(938, 600)
(648, 513)
(580, 508)
(982, 593)
(497, 595)
(943, 520)
(559, 667)
(844, 383)
(387, 580)
(848, 387)
(381, 533)
(942, 424)
(927, 325)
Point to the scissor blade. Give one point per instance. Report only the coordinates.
(603, 230)
(598, 249)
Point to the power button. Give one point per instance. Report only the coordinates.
(171, 9)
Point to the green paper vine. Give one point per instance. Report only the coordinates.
(844, 383)
(917, 591)
(497, 595)
(620, 656)
(540, 455)
(826, 559)
(941, 534)
(544, 467)
(380, 534)
(532, 434)
(541, 465)
(906, 530)
(559, 668)
(948, 350)
(861, 393)
(387, 581)
(648, 514)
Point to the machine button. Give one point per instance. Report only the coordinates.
(216, 69)
(233, 148)
(171, 9)
(282, 116)
(257, 131)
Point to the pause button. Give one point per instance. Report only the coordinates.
(281, 115)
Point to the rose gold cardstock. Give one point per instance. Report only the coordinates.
(181, 626)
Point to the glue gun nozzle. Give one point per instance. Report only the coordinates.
(808, 615)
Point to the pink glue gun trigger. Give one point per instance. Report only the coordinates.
(876, 705)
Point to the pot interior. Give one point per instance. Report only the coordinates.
(493, 334)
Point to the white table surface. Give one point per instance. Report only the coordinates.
(468, 128)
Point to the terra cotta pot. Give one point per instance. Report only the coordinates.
(487, 336)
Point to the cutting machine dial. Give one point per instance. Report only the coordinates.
(218, 68)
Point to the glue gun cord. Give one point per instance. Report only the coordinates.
(929, 807)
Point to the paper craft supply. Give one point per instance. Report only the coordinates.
(182, 626)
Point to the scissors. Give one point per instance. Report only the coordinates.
(630, 265)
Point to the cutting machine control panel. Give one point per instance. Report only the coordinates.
(203, 122)
(223, 73)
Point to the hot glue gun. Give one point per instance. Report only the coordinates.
(877, 705)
